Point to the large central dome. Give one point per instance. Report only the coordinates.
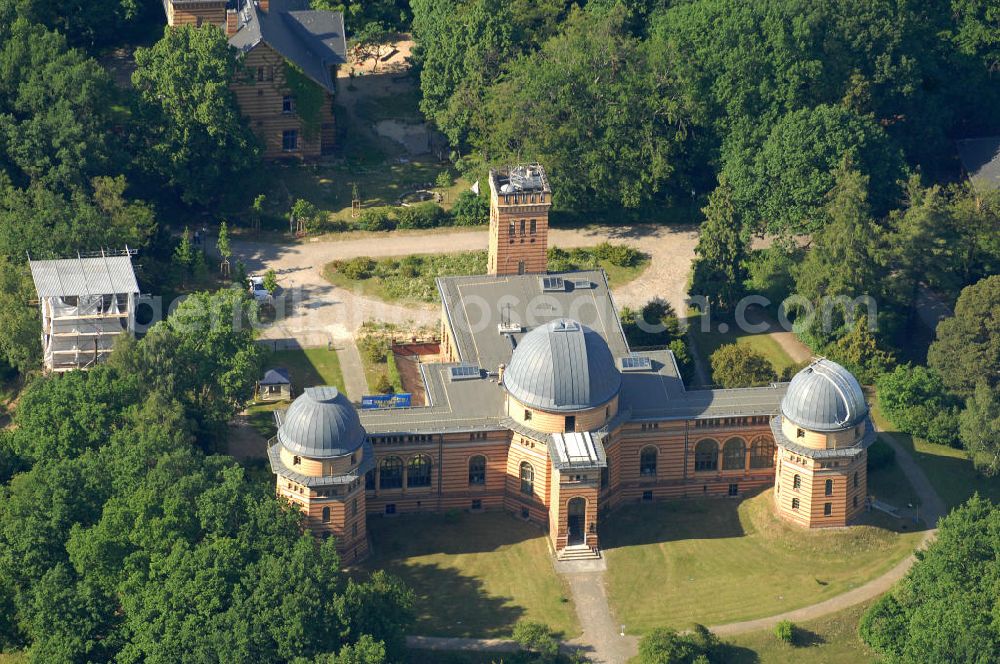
(321, 423)
(562, 366)
(824, 397)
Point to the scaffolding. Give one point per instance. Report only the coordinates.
(85, 303)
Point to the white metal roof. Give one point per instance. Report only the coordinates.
(100, 275)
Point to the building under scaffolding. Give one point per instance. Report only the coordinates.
(86, 302)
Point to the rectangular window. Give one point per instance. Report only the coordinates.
(533, 226)
(522, 227)
(510, 228)
(829, 488)
(734, 489)
(570, 423)
(525, 514)
(260, 73)
(270, 73)
(527, 414)
(477, 505)
(795, 503)
(827, 509)
(354, 507)
(290, 140)
(354, 530)
(286, 104)
(647, 496)
(390, 508)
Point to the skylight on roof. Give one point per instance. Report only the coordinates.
(636, 363)
(464, 372)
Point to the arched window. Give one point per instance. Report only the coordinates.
(795, 503)
(796, 482)
(647, 461)
(477, 470)
(762, 453)
(527, 478)
(734, 454)
(855, 479)
(326, 515)
(706, 455)
(419, 471)
(391, 473)
(829, 488)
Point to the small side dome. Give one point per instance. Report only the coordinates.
(321, 423)
(824, 397)
(562, 366)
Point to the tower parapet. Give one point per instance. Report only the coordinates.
(520, 199)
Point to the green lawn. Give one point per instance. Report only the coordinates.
(718, 561)
(832, 639)
(474, 575)
(309, 367)
(411, 278)
(708, 342)
(948, 469)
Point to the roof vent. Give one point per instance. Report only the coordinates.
(636, 363)
(553, 284)
(464, 372)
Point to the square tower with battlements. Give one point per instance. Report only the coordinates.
(520, 199)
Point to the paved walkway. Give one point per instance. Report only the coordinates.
(601, 640)
(352, 369)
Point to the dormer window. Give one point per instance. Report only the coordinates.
(799, 433)
(297, 461)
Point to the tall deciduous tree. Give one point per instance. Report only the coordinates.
(944, 610)
(194, 136)
(598, 107)
(736, 365)
(979, 425)
(783, 188)
(720, 264)
(967, 347)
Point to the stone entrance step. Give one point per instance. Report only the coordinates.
(578, 552)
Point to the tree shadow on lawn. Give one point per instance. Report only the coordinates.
(427, 534)
(449, 603)
(673, 520)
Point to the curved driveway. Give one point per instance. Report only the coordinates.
(325, 312)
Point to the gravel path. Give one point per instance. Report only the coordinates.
(324, 312)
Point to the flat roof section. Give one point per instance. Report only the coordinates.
(478, 306)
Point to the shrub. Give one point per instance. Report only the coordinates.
(422, 215)
(374, 348)
(357, 268)
(536, 637)
(470, 209)
(683, 356)
(375, 219)
(785, 631)
(880, 455)
(770, 272)
(666, 646)
(789, 372)
(621, 255)
(383, 385)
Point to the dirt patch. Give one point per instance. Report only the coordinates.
(245, 442)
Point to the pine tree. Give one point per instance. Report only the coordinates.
(183, 257)
(225, 251)
(720, 266)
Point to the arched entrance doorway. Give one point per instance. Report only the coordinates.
(576, 512)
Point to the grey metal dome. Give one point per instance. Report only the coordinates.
(321, 423)
(824, 397)
(562, 365)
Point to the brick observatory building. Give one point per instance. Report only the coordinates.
(539, 408)
(291, 54)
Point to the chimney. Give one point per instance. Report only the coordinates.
(263, 5)
(232, 22)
